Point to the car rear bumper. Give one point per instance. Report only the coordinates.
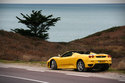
(96, 63)
(99, 66)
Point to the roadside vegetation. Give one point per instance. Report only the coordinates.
(31, 63)
(116, 70)
(16, 47)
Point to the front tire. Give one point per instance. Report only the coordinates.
(80, 66)
(53, 65)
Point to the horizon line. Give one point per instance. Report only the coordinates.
(62, 3)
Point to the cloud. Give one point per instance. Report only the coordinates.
(62, 1)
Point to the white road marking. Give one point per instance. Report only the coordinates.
(24, 67)
(35, 70)
(77, 74)
(4, 67)
(24, 78)
(73, 74)
(122, 80)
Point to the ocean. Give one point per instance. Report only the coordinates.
(77, 20)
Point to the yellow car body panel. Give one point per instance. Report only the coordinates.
(71, 61)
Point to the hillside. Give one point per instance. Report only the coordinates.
(112, 36)
(111, 41)
(17, 47)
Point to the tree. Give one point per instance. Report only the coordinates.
(37, 24)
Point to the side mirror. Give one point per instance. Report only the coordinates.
(59, 55)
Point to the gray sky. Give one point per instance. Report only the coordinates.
(62, 1)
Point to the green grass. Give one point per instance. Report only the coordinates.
(42, 63)
(116, 70)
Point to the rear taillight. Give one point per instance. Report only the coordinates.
(91, 56)
(109, 56)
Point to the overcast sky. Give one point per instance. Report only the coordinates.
(62, 1)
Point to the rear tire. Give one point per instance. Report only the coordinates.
(80, 66)
(53, 65)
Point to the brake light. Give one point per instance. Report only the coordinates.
(109, 56)
(91, 56)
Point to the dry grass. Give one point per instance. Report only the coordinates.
(16, 47)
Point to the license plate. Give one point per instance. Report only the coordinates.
(100, 61)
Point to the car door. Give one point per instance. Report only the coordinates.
(66, 60)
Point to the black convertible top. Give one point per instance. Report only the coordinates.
(81, 52)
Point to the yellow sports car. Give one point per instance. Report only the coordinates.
(81, 61)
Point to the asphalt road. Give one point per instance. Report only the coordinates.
(15, 75)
